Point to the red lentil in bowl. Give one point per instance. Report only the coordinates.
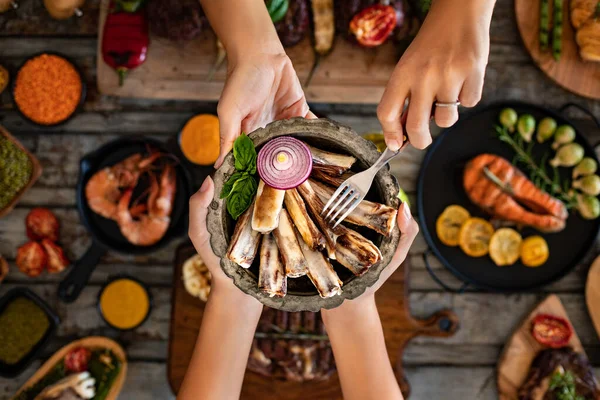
(48, 89)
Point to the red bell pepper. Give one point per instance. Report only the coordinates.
(125, 41)
(373, 25)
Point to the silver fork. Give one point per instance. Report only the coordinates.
(354, 189)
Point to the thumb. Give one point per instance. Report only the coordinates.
(230, 125)
(408, 232)
(198, 232)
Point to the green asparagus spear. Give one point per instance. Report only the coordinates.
(544, 24)
(557, 29)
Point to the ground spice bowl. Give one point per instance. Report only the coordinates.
(82, 97)
(114, 278)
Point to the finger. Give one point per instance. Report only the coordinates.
(310, 115)
(472, 88)
(198, 232)
(447, 116)
(408, 232)
(297, 109)
(389, 113)
(230, 124)
(417, 120)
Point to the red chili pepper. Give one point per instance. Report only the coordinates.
(373, 25)
(552, 331)
(125, 41)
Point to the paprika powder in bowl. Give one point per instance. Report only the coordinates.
(124, 302)
(48, 89)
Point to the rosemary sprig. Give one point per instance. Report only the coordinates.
(538, 173)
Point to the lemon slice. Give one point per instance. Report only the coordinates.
(449, 223)
(534, 251)
(505, 246)
(474, 237)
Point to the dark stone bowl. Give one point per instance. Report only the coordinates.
(302, 295)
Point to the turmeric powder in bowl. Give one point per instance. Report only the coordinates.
(124, 303)
(199, 139)
(47, 89)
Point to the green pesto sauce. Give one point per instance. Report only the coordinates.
(22, 325)
(15, 171)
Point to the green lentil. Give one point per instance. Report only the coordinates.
(15, 171)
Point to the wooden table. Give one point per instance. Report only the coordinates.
(462, 367)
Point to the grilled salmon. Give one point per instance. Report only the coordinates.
(515, 198)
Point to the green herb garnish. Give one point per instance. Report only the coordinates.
(563, 386)
(240, 188)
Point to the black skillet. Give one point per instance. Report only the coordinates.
(440, 184)
(105, 233)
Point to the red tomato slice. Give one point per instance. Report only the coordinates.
(41, 223)
(77, 359)
(57, 261)
(552, 331)
(373, 25)
(31, 259)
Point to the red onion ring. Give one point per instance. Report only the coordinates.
(284, 163)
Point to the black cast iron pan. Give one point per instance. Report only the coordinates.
(105, 233)
(440, 185)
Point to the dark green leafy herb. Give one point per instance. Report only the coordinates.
(563, 386)
(104, 366)
(544, 24)
(240, 188)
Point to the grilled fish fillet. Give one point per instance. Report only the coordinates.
(519, 201)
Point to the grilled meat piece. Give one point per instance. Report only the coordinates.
(356, 252)
(271, 275)
(305, 225)
(267, 206)
(512, 197)
(320, 272)
(331, 162)
(536, 387)
(244, 241)
(294, 26)
(289, 249)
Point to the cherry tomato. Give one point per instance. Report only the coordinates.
(77, 359)
(57, 261)
(373, 25)
(551, 331)
(31, 259)
(41, 224)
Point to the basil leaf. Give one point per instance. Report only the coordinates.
(244, 154)
(241, 196)
(228, 186)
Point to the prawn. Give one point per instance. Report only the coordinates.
(148, 229)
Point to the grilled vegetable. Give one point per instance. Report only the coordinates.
(568, 155)
(564, 134)
(557, 29)
(550, 330)
(526, 126)
(508, 118)
(373, 25)
(534, 251)
(545, 129)
(505, 245)
(324, 31)
(277, 9)
(587, 166)
(544, 24)
(295, 24)
(588, 184)
(588, 206)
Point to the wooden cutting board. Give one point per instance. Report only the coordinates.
(592, 294)
(571, 72)
(91, 342)
(521, 349)
(349, 74)
(398, 325)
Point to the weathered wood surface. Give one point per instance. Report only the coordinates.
(462, 367)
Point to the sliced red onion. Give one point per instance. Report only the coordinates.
(284, 163)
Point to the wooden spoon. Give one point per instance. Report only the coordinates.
(592, 293)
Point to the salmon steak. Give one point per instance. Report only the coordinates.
(512, 197)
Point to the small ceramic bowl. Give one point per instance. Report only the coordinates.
(302, 295)
(131, 278)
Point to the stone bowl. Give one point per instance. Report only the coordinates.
(302, 295)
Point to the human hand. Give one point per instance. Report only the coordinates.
(260, 88)
(445, 62)
(200, 237)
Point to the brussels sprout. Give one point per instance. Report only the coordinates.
(587, 166)
(588, 206)
(588, 184)
(564, 134)
(526, 126)
(568, 155)
(508, 119)
(545, 129)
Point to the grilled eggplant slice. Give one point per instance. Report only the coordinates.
(291, 255)
(271, 275)
(320, 271)
(267, 207)
(244, 242)
(305, 225)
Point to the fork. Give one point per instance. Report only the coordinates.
(354, 189)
